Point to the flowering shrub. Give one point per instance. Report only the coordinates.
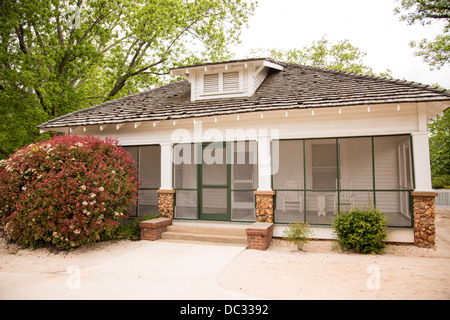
(65, 192)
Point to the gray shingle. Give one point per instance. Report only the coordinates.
(295, 87)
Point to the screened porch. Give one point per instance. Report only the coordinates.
(315, 179)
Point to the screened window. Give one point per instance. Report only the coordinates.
(148, 160)
(316, 179)
(244, 179)
(289, 181)
(185, 180)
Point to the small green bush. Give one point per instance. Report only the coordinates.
(362, 229)
(298, 234)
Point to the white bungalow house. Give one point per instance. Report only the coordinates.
(258, 140)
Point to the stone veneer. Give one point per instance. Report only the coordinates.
(424, 219)
(166, 203)
(264, 206)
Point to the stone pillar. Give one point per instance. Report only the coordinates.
(424, 219)
(166, 203)
(264, 206)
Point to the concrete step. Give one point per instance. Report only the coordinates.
(225, 231)
(206, 234)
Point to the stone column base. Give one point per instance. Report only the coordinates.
(166, 203)
(424, 219)
(152, 229)
(259, 235)
(264, 206)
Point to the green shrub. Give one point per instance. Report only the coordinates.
(298, 234)
(362, 229)
(127, 230)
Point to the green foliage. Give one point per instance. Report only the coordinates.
(441, 181)
(127, 230)
(362, 229)
(440, 145)
(59, 56)
(437, 52)
(298, 234)
(342, 56)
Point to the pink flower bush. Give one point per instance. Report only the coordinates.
(65, 192)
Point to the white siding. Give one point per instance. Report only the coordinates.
(259, 78)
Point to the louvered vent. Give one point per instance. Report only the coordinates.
(231, 82)
(211, 83)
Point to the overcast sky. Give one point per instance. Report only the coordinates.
(369, 25)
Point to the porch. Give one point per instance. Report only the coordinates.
(309, 180)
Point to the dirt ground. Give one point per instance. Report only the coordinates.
(320, 272)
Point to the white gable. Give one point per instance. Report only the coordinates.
(226, 80)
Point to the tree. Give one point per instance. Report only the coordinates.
(59, 56)
(440, 151)
(342, 56)
(435, 53)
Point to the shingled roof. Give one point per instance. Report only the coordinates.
(295, 87)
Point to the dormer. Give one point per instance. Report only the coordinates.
(232, 79)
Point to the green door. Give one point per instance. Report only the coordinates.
(214, 177)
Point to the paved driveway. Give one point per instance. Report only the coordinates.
(158, 270)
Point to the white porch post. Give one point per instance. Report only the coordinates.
(421, 156)
(264, 164)
(264, 194)
(421, 150)
(166, 166)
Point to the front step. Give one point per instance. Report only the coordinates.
(232, 236)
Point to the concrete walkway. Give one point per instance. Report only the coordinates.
(158, 270)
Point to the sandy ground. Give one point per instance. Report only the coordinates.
(324, 272)
(320, 272)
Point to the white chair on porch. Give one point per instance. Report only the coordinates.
(292, 199)
(346, 198)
